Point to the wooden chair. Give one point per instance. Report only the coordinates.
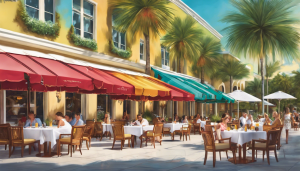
(5, 135)
(278, 140)
(185, 130)
(208, 123)
(17, 140)
(98, 131)
(166, 130)
(87, 135)
(73, 139)
(91, 123)
(237, 123)
(211, 146)
(295, 125)
(209, 128)
(157, 132)
(267, 127)
(119, 134)
(197, 127)
(266, 145)
(170, 120)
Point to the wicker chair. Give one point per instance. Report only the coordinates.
(87, 135)
(295, 124)
(166, 130)
(278, 140)
(98, 131)
(185, 130)
(266, 145)
(197, 127)
(157, 131)
(267, 127)
(17, 139)
(73, 139)
(211, 146)
(208, 123)
(119, 134)
(4, 135)
(90, 123)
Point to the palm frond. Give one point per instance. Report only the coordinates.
(272, 68)
(210, 50)
(233, 68)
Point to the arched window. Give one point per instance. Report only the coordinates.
(234, 88)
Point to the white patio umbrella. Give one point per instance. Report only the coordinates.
(266, 103)
(241, 96)
(279, 95)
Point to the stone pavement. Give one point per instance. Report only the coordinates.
(171, 155)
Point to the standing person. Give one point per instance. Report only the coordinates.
(79, 121)
(32, 120)
(287, 123)
(62, 123)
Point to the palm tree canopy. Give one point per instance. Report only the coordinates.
(147, 16)
(210, 50)
(254, 88)
(233, 68)
(195, 69)
(262, 22)
(272, 68)
(183, 38)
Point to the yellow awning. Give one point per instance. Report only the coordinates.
(143, 86)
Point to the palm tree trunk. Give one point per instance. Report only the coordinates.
(147, 71)
(262, 72)
(230, 107)
(179, 65)
(202, 75)
(267, 92)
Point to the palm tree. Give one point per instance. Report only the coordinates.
(196, 70)
(142, 16)
(231, 69)
(209, 53)
(254, 88)
(183, 40)
(259, 27)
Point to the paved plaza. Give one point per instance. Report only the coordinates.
(171, 155)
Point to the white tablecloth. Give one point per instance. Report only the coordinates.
(261, 125)
(50, 134)
(137, 130)
(108, 128)
(173, 127)
(241, 137)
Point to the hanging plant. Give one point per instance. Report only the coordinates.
(45, 28)
(83, 42)
(120, 52)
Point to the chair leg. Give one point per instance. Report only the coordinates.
(90, 142)
(186, 137)
(220, 155)
(29, 149)
(87, 145)
(5, 146)
(253, 154)
(141, 138)
(128, 142)
(80, 148)
(263, 155)
(153, 141)
(205, 158)
(121, 144)
(227, 154)
(268, 157)
(72, 147)
(146, 140)
(68, 149)
(22, 152)
(214, 159)
(275, 152)
(10, 152)
(113, 144)
(256, 153)
(190, 137)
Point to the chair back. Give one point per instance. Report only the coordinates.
(170, 120)
(208, 123)
(4, 132)
(98, 126)
(209, 128)
(118, 130)
(16, 134)
(77, 133)
(91, 125)
(272, 137)
(118, 122)
(208, 139)
(89, 129)
(158, 128)
(267, 127)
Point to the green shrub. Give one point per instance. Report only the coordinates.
(215, 118)
(100, 116)
(83, 42)
(120, 52)
(47, 28)
(148, 115)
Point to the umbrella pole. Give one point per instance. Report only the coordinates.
(238, 109)
(279, 106)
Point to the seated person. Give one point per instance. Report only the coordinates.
(184, 119)
(198, 119)
(160, 120)
(62, 123)
(106, 118)
(141, 121)
(267, 120)
(70, 118)
(243, 119)
(224, 121)
(176, 118)
(277, 121)
(250, 121)
(32, 120)
(79, 121)
(125, 117)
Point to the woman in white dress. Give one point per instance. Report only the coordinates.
(287, 123)
(62, 123)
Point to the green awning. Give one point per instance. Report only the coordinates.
(209, 93)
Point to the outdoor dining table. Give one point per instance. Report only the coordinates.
(137, 131)
(174, 126)
(108, 128)
(44, 135)
(241, 138)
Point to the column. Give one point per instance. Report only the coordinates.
(117, 109)
(216, 109)
(2, 107)
(54, 102)
(91, 106)
(133, 109)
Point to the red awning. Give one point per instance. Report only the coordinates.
(12, 70)
(103, 81)
(66, 76)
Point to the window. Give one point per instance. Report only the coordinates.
(119, 38)
(103, 105)
(164, 56)
(83, 18)
(40, 9)
(142, 49)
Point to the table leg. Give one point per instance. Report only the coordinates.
(132, 140)
(45, 147)
(244, 151)
(50, 148)
(240, 153)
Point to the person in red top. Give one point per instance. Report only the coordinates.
(224, 121)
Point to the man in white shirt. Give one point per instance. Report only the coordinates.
(198, 119)
(243, 119)
(141, 121)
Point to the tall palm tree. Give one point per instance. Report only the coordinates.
(209, 52)
(183, 40)
(231, 69)
(149, 17)
(259, 27)
(270, 71)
